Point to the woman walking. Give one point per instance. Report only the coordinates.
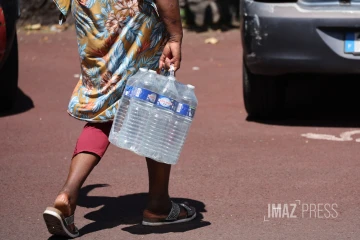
(116, 38)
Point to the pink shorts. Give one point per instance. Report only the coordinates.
(94, 139)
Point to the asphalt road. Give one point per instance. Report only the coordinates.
(231, 167)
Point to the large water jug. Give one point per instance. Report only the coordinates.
(144, 96)
(124, 105)
(184, 114)
(154, 143)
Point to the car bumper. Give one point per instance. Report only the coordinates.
(291, 38)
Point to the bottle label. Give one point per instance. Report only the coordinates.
(128, 90)
(144, 95)
(166, 102)
(185, 110)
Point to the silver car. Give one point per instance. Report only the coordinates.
(295, 36)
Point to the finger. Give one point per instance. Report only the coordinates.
(162, 61)
(161, 65)
(176, 64)
(176, 59)
(167, 63)
(165, 54)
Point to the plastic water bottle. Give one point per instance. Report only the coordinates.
(144, 96)
(149, 146)
(184, 114)
(124, 105)
(154, 143)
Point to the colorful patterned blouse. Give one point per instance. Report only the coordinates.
(115, 39)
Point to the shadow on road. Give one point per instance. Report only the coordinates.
(22, 104)
(321, 101)
(127, 210)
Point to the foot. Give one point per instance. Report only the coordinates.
(161, 212)
(59, 219)
(62, 203)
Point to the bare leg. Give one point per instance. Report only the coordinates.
(94, 138)
(159, 203)
(80, 168)
(159, 174)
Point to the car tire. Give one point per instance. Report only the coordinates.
(9, 78)
(264, 96)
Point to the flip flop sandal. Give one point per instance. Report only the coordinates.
(58, 225)
(173, 216)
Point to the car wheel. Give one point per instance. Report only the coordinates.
(9, 78)
(264, 96)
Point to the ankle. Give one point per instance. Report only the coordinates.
(160, 205)
(65, 203)
(71, 194)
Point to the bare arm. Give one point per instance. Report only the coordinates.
(169, 12)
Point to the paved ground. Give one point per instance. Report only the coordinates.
(231, 168)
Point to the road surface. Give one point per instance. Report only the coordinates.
(231, 167)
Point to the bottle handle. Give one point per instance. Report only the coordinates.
(172, 70)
